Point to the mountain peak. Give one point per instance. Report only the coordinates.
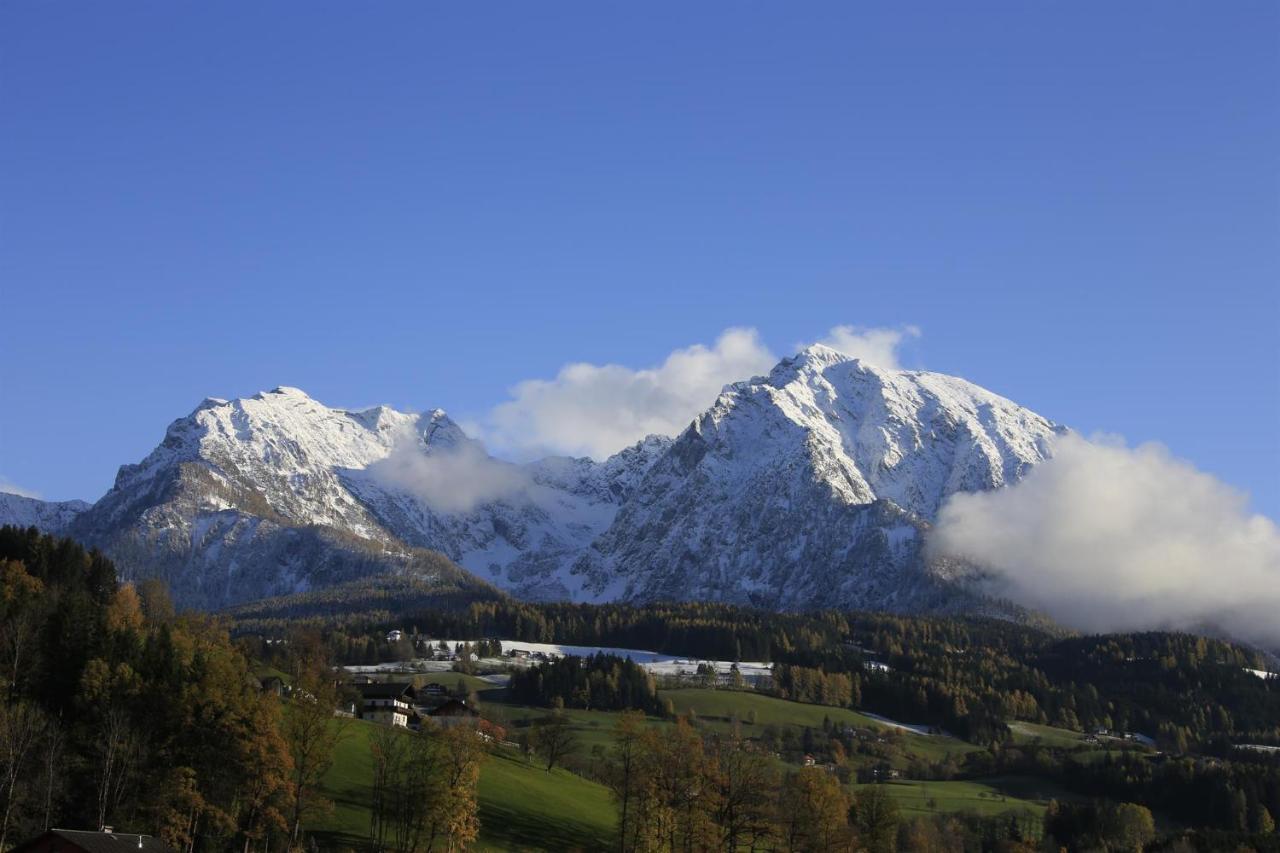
(821, 354)
(289, 391)
(809, 485)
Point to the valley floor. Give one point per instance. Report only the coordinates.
(524, 807)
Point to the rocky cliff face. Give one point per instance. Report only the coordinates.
(812, 487)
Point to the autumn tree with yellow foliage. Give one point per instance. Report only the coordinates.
(119, 711)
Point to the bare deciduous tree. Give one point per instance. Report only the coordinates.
(21, 727)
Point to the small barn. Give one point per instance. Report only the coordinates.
(454, 712)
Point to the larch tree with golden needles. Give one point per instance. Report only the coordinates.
(458, 817)
(813, 813)
(624, 773)
(743, 783)
(311, 733)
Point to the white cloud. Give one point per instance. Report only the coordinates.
(1104, 537)
(597, 410)
(10, 487)
(451, 479)
(878, 346)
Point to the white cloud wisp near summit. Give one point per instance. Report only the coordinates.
(598, 409)
(878, 346)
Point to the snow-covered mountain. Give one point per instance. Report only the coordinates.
(277, 493)
(812, 486)
(53, 516)
(806, 487)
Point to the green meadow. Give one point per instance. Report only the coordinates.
(990, 796)
(522, 807)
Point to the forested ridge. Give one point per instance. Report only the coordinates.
(119, 710)
(967, 675)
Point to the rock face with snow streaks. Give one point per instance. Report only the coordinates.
(809, 487)
(52, 516)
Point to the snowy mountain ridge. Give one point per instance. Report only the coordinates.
(25, 511)
(804, 487)
(813, 484)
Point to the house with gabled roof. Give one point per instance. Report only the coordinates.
(388, 703)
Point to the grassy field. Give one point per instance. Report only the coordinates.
(522, 807)
(715, 707)
(1048, 735)
(994, 795)
(593, 728)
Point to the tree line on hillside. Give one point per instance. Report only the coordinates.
(684, 787)
(602, 682)
(965, 675)
(1241, 796)
(424, 790)
(707, 630)
(117, 710)
(679, 789)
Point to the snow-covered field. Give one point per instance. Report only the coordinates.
(655, 662)
(1258, 747)
(894, 724)
(753, 672)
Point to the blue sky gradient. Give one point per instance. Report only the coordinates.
(425, 203)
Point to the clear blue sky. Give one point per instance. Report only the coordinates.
(423, 203)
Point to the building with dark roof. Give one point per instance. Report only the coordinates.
(79, 841)
(454, 712)
(389, 704)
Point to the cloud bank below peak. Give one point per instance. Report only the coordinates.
(1105, 537)
(598, 409)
